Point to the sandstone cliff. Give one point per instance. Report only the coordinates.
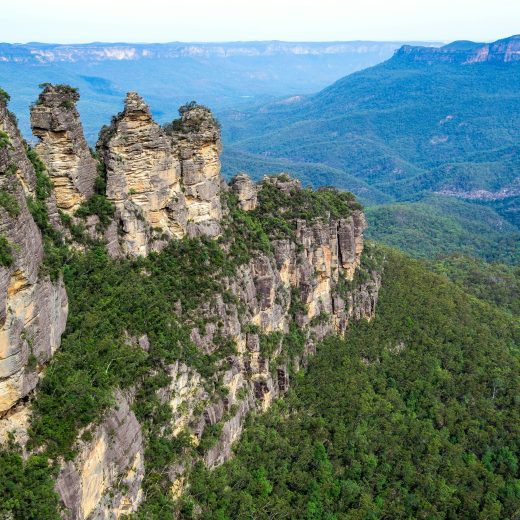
(304, 276)
(465, 52)
(33, 308)
(164, 184)
(63, 148)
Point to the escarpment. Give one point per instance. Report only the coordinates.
(62, 147)
(240, 283)
(33, 307)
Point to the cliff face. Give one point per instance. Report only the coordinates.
(33, 309)
(164, 185)
(113, 458)
(302, 278)
(465, 52)
(63, 148)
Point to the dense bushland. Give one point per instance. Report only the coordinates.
(411, 416)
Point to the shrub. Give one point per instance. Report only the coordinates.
(6, 252)
(9, 203)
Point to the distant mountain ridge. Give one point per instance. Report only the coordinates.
(97, 51)
(465, 52)
(220, 75)
(427, 121)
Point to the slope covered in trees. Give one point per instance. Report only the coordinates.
(425, 121)
(413, 415)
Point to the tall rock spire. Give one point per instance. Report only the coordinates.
(164, 182)
(143, 179)
(33, 308)
(63, 148)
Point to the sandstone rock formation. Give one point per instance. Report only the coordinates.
(163, 184)
(245, 190)
(33, 308)
(62, 147)
(113, 459)
(310, 272)
(198, 146)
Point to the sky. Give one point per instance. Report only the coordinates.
(80, 21)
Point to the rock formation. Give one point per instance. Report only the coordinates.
(198, 146)
(62, 147)
(245, 190)
(114, 457)
(163, 184)
(465, 52)
(33, 308)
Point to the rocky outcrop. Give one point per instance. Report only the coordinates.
(104, 480)
(298, 284)
(164, 184)
(62, 147)
(33, 308)
(465, 52)
(245, 190)
(306, 284)
(197, 142)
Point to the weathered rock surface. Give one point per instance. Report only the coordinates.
(315, 268)
(143, 179)
(33, 309)
(62, 147)
(104, 480)
(198, 145)
(245, 190)
(164, 184)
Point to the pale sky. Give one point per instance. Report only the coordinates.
(79, 21)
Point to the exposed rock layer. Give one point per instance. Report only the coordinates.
(164, 184)
(33, 309)
(465, 52)
(104, 480)
(63, 148)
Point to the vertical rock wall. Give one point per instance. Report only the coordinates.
(62, 147)
(164, 184)
(33, 309)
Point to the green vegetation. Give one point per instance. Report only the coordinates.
(99, 205)
(498, 284)
(192, 124)
(439, 226)
(55, 251)
(4, 140)
(6, 252)
(459, 134)
(373, 134)
(9, 203)
(411, 416)
(27, 487)
(62, 88)
(278, 211)
(4, 96)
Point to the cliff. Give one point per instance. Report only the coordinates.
(464, 52)
(164, 185)
(33, 308)
(216, 293)
(62, 147)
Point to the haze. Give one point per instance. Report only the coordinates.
(63, 21)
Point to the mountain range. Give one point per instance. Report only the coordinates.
(220, 75)
(428, 121)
